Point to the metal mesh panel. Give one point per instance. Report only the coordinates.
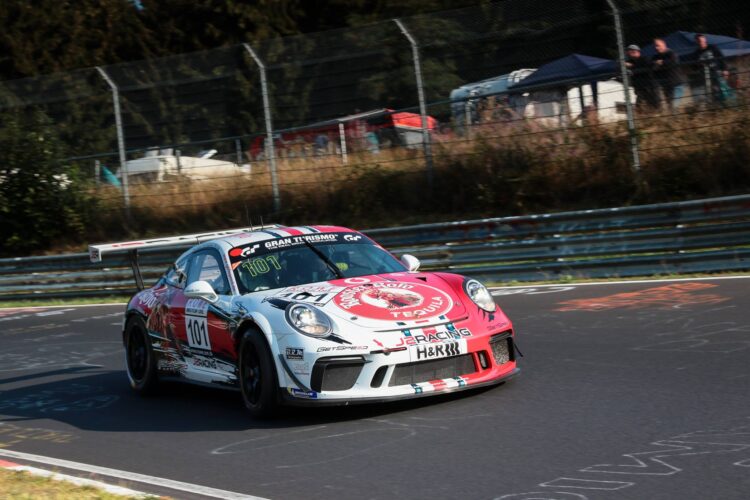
(423, 371)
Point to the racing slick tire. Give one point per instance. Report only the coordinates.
(257, 376)
(139, 356)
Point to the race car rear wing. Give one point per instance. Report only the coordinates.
(97, 252)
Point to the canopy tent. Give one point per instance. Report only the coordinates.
(683, 44)
(569, 71)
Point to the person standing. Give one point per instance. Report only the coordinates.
(668, 74)
(647, 98)
(711, 71)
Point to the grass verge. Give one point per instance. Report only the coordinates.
(18, 485)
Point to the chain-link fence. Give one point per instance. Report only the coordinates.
(314, 111)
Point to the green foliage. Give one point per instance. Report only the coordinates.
(42, 202)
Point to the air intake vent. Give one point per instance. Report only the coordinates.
(424, 371)
(336, 374)
(502, 348)
(377, 379)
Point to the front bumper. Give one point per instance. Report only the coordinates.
(327, 400)
(378, 377)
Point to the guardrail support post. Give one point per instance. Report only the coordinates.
(635, 156)
(420, 93)
(120, 138)
(270, 147)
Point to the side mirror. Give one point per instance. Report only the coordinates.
(412, 263)
(201, 290)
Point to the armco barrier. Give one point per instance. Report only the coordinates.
(694, 236)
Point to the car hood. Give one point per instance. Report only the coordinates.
(382, 302)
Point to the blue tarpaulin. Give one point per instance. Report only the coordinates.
(683, 44)
(569, 71)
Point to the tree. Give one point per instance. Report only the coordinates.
(46, 36)
(40, 199)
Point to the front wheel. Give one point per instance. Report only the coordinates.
(257, 375)
(141, 364)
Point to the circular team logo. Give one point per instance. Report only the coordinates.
(387, 300)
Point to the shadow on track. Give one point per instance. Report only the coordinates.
(103, 402)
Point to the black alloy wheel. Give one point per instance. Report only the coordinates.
(141, 364)
(257, 375)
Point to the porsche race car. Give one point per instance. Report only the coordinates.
(310, 315)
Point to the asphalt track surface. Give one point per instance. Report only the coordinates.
(627, 391)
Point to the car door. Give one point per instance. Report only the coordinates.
(161, 322)
(206, 329)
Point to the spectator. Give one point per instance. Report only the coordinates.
(668, 74)
(647, 98)
(709, 79)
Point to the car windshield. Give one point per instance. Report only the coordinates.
(290, 261)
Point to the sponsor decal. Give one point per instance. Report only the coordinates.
(300, 368)
(394, 301)
(439, 385)
(430, 336)
(241, 252)
(340, 348)
(319, 294)
(244, 251)
(352, 237)
(435, 351)
(498, 326)
(166, 365)
(148, 299)
(300, 240)
(356, 281)
(204, 362)
(295, 353)
(299, 393)
(196, 307)
(196, 325)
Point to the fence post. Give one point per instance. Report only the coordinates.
(270, 147)
(97, 172)
(120, 138)
(238, 151)
(635, 159)
(342, 143)
(420, 93)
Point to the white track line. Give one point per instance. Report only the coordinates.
(621, 282)
(129, 476)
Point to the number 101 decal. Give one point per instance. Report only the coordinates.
(196, 326)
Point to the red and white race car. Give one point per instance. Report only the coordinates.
(311, 315)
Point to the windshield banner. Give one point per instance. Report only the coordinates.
(254, 249)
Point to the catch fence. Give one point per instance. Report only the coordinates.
(280, 113)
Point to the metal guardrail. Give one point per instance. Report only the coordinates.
(670, 238)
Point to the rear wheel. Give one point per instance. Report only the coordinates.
(141, 363)
(257, 375)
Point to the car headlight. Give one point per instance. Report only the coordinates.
(479, 294)
(308, 320)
